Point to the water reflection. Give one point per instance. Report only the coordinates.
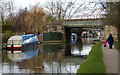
(30, 54)
(76, 47)
(48, 48)
(49, 58)
(87, 44)
(81, 47)
(29, 51)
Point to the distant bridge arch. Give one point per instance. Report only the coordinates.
(79, 25)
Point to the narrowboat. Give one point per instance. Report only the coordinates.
(28, 53)
(73, 36)
(16, 43)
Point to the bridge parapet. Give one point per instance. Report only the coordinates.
(82, 22)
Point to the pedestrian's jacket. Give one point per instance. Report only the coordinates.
(110, 39)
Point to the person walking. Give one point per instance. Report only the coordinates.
(105, 43)
(110, 41)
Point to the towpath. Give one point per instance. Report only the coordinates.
(110, 58)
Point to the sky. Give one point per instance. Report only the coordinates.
(21, 4)
(26, 3)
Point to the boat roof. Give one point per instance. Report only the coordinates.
(15, 37)
(27, 35)
(40, 34)
(20, 37)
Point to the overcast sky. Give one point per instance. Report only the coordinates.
(26, 3)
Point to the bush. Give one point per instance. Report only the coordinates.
(52, 36)
(6, 28)
(6, 36)
(116, 45)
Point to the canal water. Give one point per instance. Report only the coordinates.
(49, 58)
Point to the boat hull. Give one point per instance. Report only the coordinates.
(19, 48)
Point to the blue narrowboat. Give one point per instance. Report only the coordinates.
(17, 42)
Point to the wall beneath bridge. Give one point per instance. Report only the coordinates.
(107, 30)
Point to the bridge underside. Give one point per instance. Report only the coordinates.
(78, 26)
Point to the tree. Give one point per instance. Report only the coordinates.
(2, 16)
(112, 10)
(63, 9)
(60, 9)
(2, 11)
(6, 10)
(10, 8)
(35, 20)
(18, 21)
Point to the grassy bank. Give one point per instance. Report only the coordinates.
(116, 45)
(94, 62)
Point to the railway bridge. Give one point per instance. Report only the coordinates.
(79, 25)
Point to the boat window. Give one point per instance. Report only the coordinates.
(9, 42)
(27, 37)
(14, 42)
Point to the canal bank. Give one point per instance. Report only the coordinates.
(94, 63)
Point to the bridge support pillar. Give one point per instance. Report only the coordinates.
(68, 34)
(68, 41)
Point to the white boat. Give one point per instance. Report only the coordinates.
(27, 54)
(15, 43)
(73, 36)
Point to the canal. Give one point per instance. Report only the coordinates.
(49, 58)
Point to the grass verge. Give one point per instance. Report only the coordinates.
(94, 63)
(116, 45)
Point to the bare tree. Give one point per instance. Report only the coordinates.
(67, 9)
(2, 11)
(2, 16)
(18, 21)
(10, 8)
(112, 10)
(61, 9)
(6, 10)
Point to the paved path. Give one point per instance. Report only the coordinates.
(110, 58)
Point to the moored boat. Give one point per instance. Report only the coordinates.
(15, 43)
